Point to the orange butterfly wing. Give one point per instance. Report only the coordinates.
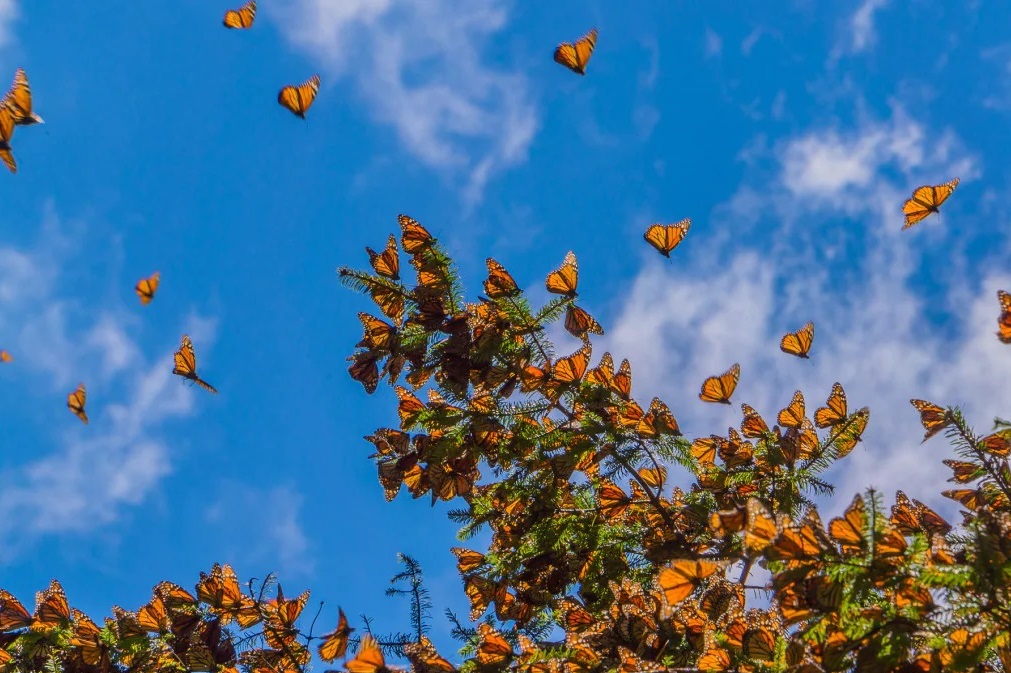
(75, 402)
(19, 100)
(575, 56)
(798, 343)
(186, 364)
(565, 278)
(146, 287)
(1004, 320)
(834, 411)
(5, 356)
(926, 200)
(242, 17)
(299, 98)
(666, 237)
(369, 658)
(719, 388)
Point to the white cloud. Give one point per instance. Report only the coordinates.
(860, 34)
(8, 15)
(79, 477)
(419, 65)
(263, 527)
(728, 302)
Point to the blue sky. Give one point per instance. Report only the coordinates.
(790, 136)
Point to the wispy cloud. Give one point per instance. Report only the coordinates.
(79, 478)
(830, 250)
(859, 34)
(9, 13)
(263, 527)
(420, 67)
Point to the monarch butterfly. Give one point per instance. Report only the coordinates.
(681, 577)
(467, 560)
(932, 417)
(760, 529)
(51, 608)
(386, 263)
(298, 98)
(5, 356)
(88, 640)
(425, 659)
(578, 322)
(753, 426)
(146, 287)
(19, 100)
(576, 56)
(186, 364)
(75, 402)
(413, 236)
(13, 614)
(565, 278)
(834, 411)
(798, 343)
(6, 133)
(242, 17)
(369, 658)
(1004, 320)
(493, 648)
(666, 237)
(720, 388)
(499, 283)
(793, 415)
(848, 530)
(926, 200)
(714, 659)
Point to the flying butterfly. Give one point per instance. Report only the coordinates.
(798, 343)
(932, 417)
(926, 200)
(575, 56)
(335, 644)
(1004, 320)
(666, 237)
(186, 365)
(75, 402)
(565, 278)
(242, 17)
(5, 356)
(719, 388)
(369, 658)
(19, 100)
(298, 98)
(146, 287)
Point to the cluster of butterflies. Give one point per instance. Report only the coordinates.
(15, 110)
(185, 359)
